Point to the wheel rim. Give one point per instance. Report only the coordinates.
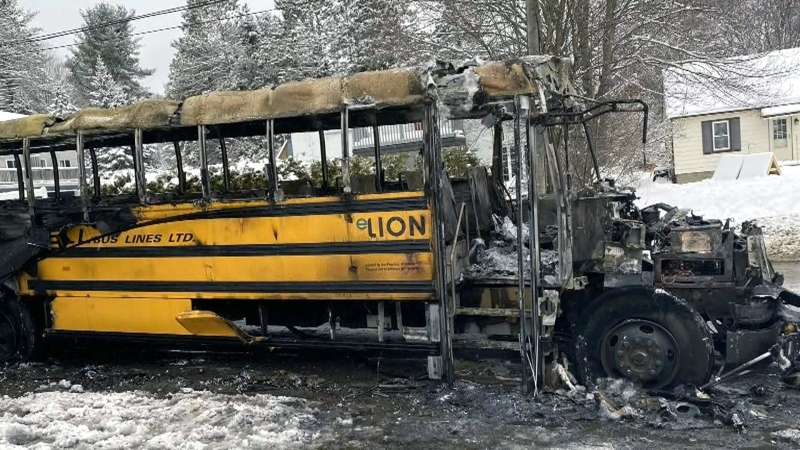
(641, 350)
(8, 338)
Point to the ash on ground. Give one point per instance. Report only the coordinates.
(135, 399)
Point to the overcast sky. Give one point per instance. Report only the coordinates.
(156, 52)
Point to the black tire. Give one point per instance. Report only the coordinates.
(20, 334)
(619, 308)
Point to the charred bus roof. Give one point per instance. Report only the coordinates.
(380, 97)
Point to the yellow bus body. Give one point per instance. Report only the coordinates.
(370, 248)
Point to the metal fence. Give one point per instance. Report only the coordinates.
(403, 134)
(9, 175)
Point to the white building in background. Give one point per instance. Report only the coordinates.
(394, 139)
(709, 122)
(41, 166)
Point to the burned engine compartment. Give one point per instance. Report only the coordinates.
(721, 271)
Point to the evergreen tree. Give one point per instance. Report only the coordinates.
(103, 90)
(114, 45)
(22, 75)
(58, 94)
(263, 48)
(61, 101)
(325, 37)
(224, 47)
(213, 54)
(375, 34)
(310, 39)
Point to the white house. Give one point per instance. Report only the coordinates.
(41, 166)
(7, 165)
(758, 113)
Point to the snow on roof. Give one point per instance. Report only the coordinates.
(784, 110)
(746, 82)
(10, 116)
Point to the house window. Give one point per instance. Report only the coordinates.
(722, 136)
(10, 164)
(38, 162)
(779, 133)
(64, 163)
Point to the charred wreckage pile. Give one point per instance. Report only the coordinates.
(707, 266)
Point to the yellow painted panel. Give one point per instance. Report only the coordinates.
(156, 212)
(206, 323)
(244, 296)
(331, 268)
(209, 324)
(288, 230)
(119, 315)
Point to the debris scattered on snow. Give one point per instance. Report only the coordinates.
(791, 434)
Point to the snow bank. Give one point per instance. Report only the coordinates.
(773, 201)
(40, 192)
(137, 420)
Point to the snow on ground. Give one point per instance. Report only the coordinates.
(186, 420)
(774, 202)
(40, 192)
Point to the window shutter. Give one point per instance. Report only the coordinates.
(708, 138)
(736, 135)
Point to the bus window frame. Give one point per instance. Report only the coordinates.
(56, 179)
(139, 172)
(26, 155)
(79, 144)
(376, 139)
(179, 163)
(93, 141)
(20, 176)
(324, 155)
(345, 130)
(272, 171)
(226, 174)
(95, 174)
(205, 182)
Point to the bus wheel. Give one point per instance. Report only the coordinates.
(650, 337)
(19, 334)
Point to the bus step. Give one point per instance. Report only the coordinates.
(488, 312)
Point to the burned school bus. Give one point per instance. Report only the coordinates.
(374, 264)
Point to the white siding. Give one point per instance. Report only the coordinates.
(70, 155)
(687, 140)
(306, 148)
(42, 169)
